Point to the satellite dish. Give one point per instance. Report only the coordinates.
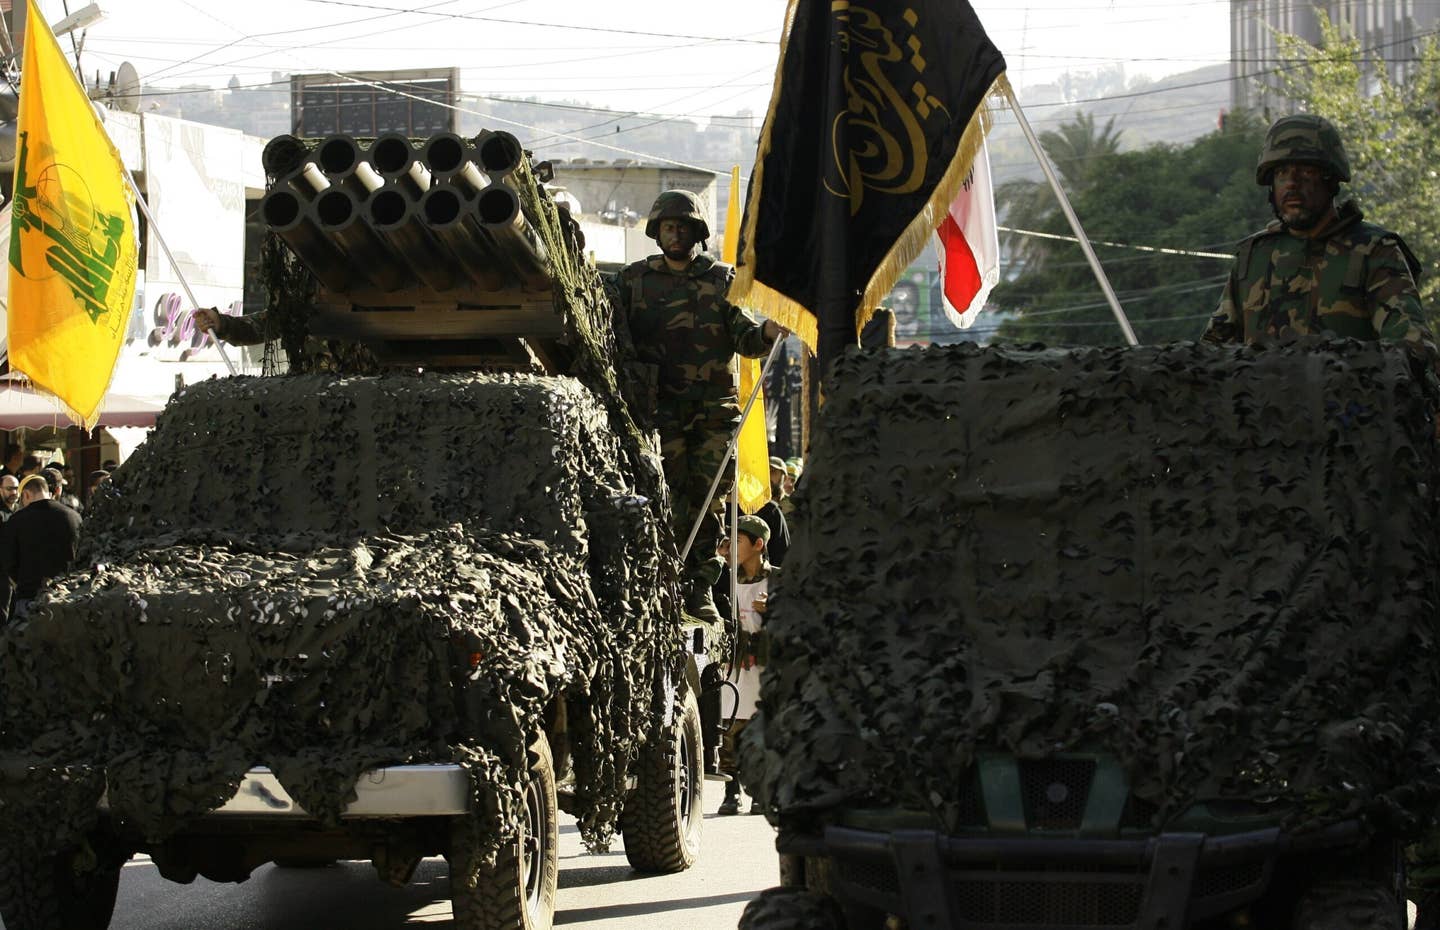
(126, 94)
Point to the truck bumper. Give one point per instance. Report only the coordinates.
(941, 881)
(394, 791)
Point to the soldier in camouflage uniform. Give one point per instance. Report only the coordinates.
(687, 334)
(1319, 267)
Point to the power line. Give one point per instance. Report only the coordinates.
(568, 27)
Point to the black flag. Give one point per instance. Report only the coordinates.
(878, 111)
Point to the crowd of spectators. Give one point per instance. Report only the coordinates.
(39, 525)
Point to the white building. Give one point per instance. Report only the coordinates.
(1387, 29)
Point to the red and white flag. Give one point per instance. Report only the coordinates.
(968, 244)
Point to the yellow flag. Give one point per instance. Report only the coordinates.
(753, 453)
(72, 237)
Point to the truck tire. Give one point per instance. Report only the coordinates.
(1350, 905)
(791, 909)
(46, 893)
(662, 818)
(519, 892)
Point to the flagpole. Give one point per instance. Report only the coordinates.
(150, 219)
(730, 449)
(1069, 211)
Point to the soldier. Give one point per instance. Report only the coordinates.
(687, 335)
(1319, 267)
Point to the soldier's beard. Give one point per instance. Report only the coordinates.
(1307, 215)
(678, 250)
(1302, 218)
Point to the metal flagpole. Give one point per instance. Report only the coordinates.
(150, 218)
(730, 449)
(735, 548)
(1069, 211)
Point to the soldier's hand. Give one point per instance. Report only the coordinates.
(775, 331)
(207, 319)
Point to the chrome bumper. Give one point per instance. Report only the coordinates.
(396, 791)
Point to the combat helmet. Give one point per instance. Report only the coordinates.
(1302, 137)
(677, 205)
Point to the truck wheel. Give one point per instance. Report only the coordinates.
(519, 892)
(46, 893)
(1350, 905)
(662, 818)
(791, 909)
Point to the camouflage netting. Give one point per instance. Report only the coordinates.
(1218, 565)
(289, 569)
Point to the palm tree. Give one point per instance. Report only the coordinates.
(1077, 149)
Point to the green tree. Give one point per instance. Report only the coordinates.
(1391, 132)
(1076, 148)
(1200, 196)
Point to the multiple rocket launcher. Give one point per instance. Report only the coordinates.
(443, 214)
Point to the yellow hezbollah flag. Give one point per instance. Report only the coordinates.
(72, 238)
(752, 455)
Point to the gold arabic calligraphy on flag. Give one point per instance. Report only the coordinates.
(878, 141)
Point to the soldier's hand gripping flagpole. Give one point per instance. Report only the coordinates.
(730, 448)
(155, 228)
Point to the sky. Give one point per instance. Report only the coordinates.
(680, 57)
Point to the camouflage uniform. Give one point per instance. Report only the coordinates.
(684, 328)
(1354, 280)
(306, 354)
(1349, 278)
(1346, 277)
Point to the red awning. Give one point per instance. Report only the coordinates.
(20, 406)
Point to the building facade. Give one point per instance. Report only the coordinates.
(1387, 29)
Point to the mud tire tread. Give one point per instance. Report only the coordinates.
(497, 901)
(37, 894)
(657, 837)
(791, 909)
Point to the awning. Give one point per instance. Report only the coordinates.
(22, 407)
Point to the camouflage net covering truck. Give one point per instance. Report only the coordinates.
(1106, 638)
(377, 616)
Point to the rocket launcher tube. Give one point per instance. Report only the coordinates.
(285, 215)
(454, 222)
(337, 212)
(338, 155)
(445, 153)
(500, 152)
(400, 222)
(393, 155)
(500, 215)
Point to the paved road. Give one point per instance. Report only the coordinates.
(596, 892)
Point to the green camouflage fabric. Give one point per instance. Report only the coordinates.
(1356, 280)
(681, 323)
(1304, 138)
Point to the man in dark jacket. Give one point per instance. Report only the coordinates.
(37, 543)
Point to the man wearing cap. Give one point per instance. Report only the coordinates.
(1319, 267)
(752, 587)
(38, 542)
(773, 514)
(686, 335)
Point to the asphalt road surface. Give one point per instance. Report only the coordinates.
(597, 892)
